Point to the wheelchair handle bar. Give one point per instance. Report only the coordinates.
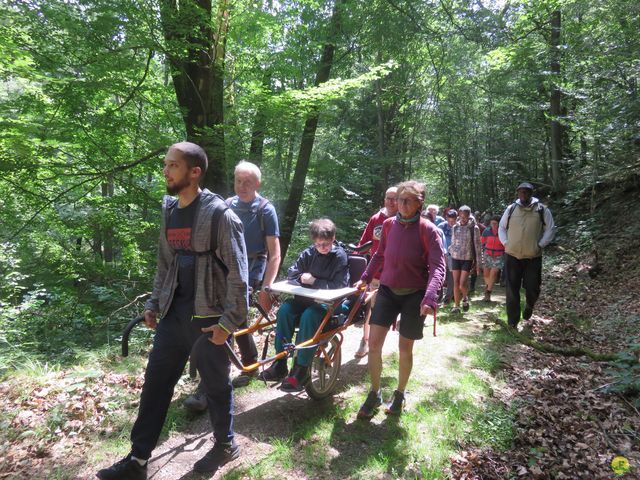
(355, 249)
(127, 332)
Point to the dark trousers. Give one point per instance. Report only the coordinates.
(174, 340)
(527, 274)
(247, 347)
(246, 343)
(473, 278)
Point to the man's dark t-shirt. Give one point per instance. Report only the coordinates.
(179, 230)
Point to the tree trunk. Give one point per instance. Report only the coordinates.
(555, 106)
(107, 232)
(308, 137)
(198, 75)
(259, 125)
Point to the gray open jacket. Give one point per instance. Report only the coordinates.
(218, 293)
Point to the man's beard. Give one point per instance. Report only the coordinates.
(177, 187)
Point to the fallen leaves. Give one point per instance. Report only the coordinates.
(568, 426)
(46, 420)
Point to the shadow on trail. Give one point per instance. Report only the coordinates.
(188, 445)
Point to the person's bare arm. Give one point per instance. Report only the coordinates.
(273, 264)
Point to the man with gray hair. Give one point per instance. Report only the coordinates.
(261, 235)
(432, 214)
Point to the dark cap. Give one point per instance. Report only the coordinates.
(526, 185)
(452, 213)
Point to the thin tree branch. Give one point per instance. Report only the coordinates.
(138, 85)
(97, 176)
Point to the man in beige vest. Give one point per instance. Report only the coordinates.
(526, 227)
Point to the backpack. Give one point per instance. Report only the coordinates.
(423, 241)
(513, 207)
(220, 208)
(260, 212)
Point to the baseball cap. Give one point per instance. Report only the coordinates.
(526, 185)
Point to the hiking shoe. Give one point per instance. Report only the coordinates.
(243, 379)
(297, 380)
(395, 406)
(275, 373)
(465, 305)
(370, 406)
(363, 350)
(126, 469)
(218, 456)
(455, 311)
(196, 402)
(487, 296)
(528, 311)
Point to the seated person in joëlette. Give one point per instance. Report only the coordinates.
(322, 265)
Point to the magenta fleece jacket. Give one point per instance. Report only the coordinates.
(406, 263)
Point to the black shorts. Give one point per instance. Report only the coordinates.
(389, 305)
(461, 264)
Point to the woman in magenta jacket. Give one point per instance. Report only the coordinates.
(414, 266)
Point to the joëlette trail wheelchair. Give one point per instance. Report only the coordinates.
(328, 337)
(345, 306)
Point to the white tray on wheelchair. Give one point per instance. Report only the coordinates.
(319, 295)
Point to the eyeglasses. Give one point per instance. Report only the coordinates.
(407, 200)
(391, 199)
(322, 245)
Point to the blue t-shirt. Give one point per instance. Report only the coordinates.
(248, 215)
(446, 230)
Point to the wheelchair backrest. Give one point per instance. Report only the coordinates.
(357, 266)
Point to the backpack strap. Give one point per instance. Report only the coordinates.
(220, 207)
(261, 207)
(423, 237)
(423, 240)
(541, 213)
(513, 207)
(510, 212)
(259, 212)
(473, 240)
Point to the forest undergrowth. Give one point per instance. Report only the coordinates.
(575, 416)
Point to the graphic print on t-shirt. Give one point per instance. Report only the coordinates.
(377, 232)
(179, 238)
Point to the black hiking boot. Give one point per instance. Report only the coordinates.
(370, 406)
(465, 304)
(218, 456)
(395, 406)
(196, 402)
(125, 469)
(528, 311)
(243, 379)
(276, 372)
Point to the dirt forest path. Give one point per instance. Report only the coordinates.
(266, 413)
